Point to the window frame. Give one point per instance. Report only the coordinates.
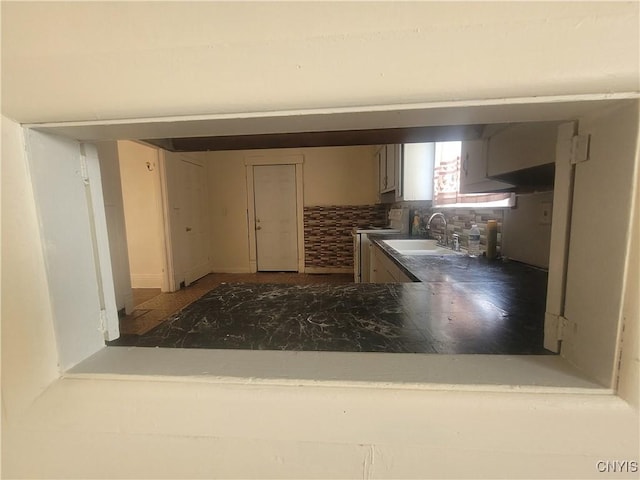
(462, 200)
(113, 347)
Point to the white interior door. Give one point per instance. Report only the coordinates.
(194, 221)
(276, 219)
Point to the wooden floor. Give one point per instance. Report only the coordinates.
(151, 307)
(141, 295)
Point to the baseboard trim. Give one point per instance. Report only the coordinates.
(232, 270)
(321, 270)
(128, 302)
(146, 280)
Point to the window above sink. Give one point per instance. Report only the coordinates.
(432, 171)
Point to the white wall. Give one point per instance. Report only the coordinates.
(300, 55)
(88, 428)
(340, 176)
(228, 200)
(525, 237)
(114, 211)
(29, 356)
(331, 176)
(292, 56)
(140, 177)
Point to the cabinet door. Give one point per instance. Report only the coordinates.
(378, 274)
(397, 170)
(401, 277)
(391, 167)
(399, 175)
(522, 146)
(383, 270)
(473, 169)
(373, 265)
(382, 168)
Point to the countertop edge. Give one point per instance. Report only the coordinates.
(395, 257)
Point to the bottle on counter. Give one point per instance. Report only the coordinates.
(492, 239)
(474, 241)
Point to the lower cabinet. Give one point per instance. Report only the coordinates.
(382, 268)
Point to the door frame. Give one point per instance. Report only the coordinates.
(256, 160)
(168, 268)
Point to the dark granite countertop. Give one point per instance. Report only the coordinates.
(457, 267)
(518, 289)
(456, 305)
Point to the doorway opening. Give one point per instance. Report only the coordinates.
(143, 217)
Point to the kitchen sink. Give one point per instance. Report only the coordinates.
(418, 247)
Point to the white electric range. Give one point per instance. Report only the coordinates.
(398, 223)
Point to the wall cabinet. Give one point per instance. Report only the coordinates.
(389, 167)
(398, 170)
(386, 168)
(474, 169)
(381, 155)
(521, 146)
(382, 268)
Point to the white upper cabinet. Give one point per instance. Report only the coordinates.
(521, 146)
(389, 164)
(381, 155)
(473, 169)
(520, 155)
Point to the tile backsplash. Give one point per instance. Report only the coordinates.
(327, 232)
(459, 220)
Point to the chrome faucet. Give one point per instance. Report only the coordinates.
(443, 240)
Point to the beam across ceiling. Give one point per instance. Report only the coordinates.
(346, 120)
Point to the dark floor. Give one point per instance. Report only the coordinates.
(410, 317)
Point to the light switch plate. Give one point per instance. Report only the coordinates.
(545, 213)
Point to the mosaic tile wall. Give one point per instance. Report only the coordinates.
(459, 221)
(327, 232)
